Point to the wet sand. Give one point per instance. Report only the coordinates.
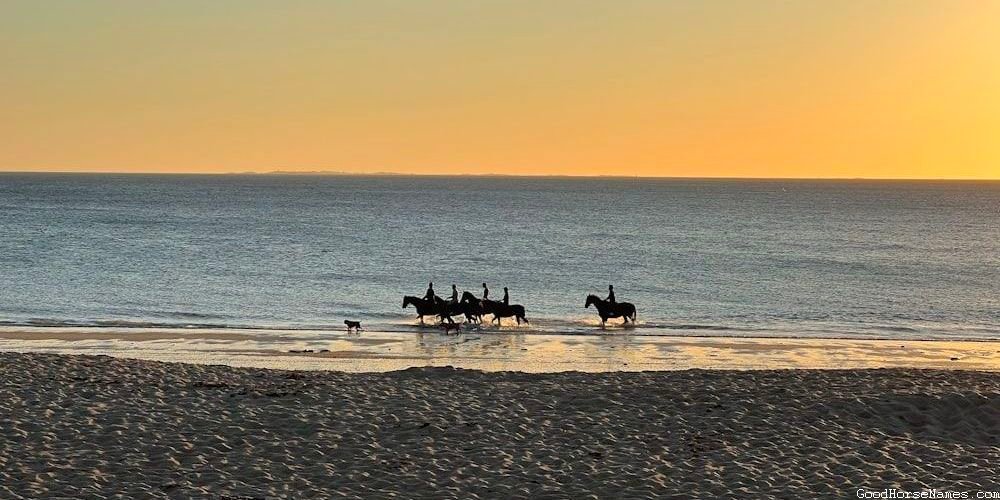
(496, 351)
(86, 426)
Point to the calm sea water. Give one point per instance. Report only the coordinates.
(791, 258)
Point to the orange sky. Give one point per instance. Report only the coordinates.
(888, 89)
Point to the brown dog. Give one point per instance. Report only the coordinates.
(356, 325)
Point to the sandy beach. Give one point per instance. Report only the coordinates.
(87, 426)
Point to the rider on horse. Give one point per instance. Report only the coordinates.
(430, 293)
(454, 294)
(611, 308)
(506, 297)
(486, 292)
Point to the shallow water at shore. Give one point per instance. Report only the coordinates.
(493, 351)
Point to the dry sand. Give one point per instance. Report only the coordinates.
(86, 426)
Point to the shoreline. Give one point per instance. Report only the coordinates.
(694, 331)
(82, 426)
(508, 350)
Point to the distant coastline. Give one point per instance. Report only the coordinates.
(337, 173)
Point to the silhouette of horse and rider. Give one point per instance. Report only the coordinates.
(611, 308)
(475, 308)
(472, 308)
(432, 305)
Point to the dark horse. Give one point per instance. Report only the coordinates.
(605, 309)
(428, 308)
(471, 307)
(497, 309)
(473, 313)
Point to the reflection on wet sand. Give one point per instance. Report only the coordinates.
(514, 351)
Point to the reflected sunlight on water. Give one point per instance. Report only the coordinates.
(380, 351)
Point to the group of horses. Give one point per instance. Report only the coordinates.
(474, 309)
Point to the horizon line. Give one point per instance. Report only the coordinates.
(335, 173)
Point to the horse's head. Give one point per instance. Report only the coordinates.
(467, 297)
(592, 299)
(407, 300)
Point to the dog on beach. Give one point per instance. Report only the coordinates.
(448, 327)
(356, 325)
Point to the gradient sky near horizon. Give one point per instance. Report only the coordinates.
(807, 88)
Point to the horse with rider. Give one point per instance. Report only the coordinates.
(611, 308)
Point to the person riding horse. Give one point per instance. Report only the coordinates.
(430, 295)
(454, 294)
(486, 292)
(480, 307)
(506, 297)
(611, 308)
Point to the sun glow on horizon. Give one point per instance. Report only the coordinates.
(811, 89)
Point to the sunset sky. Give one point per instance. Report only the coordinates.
(877, 89)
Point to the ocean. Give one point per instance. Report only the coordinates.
(785, 258)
